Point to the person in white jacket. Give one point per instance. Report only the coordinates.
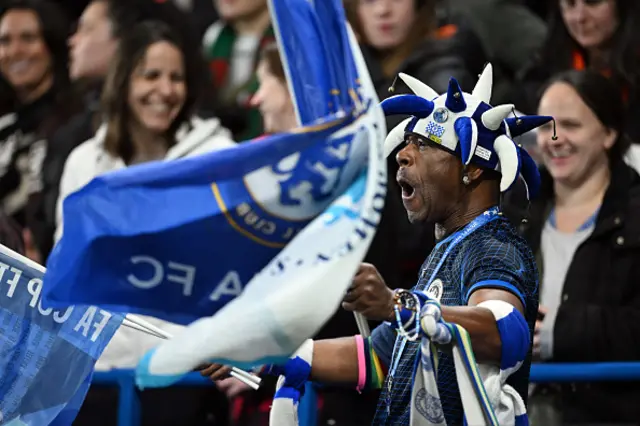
(91, 159)
(147, 101)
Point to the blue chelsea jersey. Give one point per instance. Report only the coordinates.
(493, 256)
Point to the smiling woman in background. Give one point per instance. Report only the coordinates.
(37, 101)
(584, 229)
(148, 99)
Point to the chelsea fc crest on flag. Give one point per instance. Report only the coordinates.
(295, 190)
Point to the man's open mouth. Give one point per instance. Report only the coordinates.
(407, 188)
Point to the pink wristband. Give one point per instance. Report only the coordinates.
(362, 368)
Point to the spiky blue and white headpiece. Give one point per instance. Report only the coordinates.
(467, 126)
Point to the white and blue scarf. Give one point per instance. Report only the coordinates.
(486, 397)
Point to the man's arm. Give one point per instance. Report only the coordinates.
(481, 323)
(335, 361)
(339, 360)
(498, 275)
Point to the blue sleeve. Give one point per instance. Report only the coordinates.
(491, 263)
(383, 338)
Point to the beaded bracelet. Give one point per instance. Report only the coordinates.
(405, 299)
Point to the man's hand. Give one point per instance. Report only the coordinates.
(369, 295)
(542, 311)
(215, 372)
(218, 373)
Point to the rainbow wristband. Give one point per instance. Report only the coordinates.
(371, 372)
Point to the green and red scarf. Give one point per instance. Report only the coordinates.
(219, 57)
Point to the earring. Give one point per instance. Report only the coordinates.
(466, 180)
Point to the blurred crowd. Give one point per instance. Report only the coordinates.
(91, 87)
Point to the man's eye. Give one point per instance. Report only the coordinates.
(421, 144)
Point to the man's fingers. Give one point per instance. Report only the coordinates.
(350, 297)
(354, 293)
(216, 371)
(366, 268)
(207, 369)
(222, 373)
(351, 307)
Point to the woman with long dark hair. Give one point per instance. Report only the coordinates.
(583, 228)
(600, 35)
(148, 102)
(37, 100)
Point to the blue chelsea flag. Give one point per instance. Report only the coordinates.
(180, 240)
(46, 356)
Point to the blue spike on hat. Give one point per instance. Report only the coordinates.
(407, 104)
(455, 98)
(467, 132)
(521, 125)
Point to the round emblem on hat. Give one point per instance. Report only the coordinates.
(435, 290)
(441, 115)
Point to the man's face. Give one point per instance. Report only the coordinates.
(92, 47)
(430, 179)
(237, 10)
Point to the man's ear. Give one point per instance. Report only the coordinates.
(474, 172)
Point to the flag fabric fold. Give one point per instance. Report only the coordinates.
(47, 356)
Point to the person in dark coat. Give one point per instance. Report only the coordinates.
(510, 34)
(585, 229)
(37, 99)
